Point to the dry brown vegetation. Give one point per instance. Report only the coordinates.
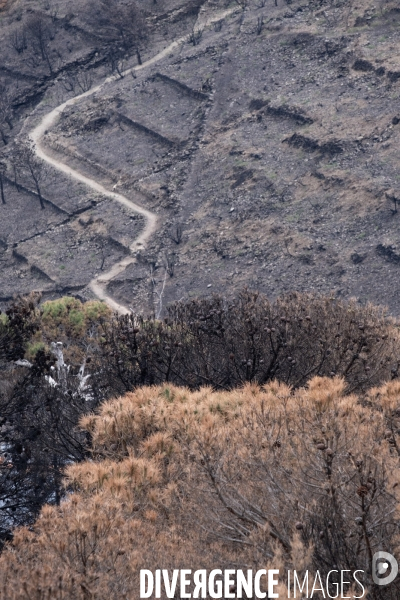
(215, 342)
(244, 479)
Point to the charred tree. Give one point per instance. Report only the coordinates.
(27, 164)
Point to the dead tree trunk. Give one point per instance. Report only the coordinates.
(36, 181)
(3, 198)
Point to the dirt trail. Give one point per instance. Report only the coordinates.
(98, 284)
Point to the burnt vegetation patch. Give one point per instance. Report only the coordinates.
(96, 124)
(331, 147)
(257, 104)
(302, 38)
(240, 176)
(288, 112)
(388, 252)
(182, 87)
(393, 76)
(363, 65)
(223, 344)
(284, 111)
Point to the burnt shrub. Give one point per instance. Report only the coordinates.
(224, 344)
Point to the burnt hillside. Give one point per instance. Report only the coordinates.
(264, 144)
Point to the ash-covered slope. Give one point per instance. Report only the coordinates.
(265, 143)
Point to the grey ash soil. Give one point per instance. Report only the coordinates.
(276, 153)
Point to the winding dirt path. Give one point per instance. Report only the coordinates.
(99, 283)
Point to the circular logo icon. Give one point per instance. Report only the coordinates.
(384, 568)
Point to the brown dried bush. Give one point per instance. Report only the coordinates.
(255, 477)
